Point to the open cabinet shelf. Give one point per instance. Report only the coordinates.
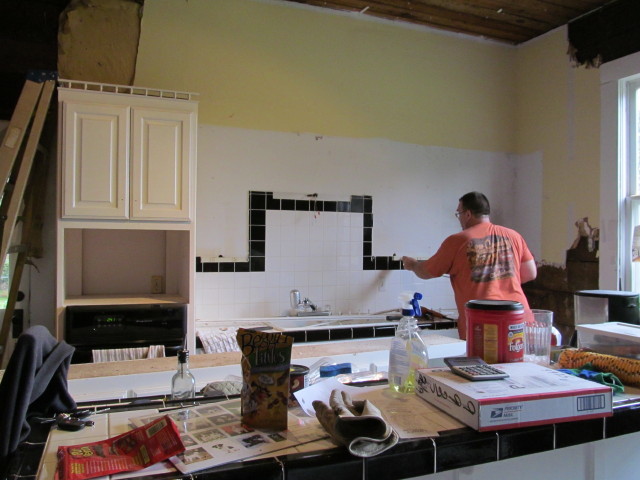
(124, 266)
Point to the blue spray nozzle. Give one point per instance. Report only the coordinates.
(417, 311)
(410, 305)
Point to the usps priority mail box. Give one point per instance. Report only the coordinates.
(531, 395)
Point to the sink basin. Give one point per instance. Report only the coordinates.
(313, 314)
(317, 321)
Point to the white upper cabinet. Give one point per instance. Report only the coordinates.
(95, 160)
(127, 156)
(160, 164)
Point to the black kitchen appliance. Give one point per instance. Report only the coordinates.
(124, 326)
(598, 306)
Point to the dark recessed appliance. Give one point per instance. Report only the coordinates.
(599, 306)
(124, 326)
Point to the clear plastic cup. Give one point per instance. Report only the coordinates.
(537, 336)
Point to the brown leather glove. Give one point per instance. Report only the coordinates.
(357, 425)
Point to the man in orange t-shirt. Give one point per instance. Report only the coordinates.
(484, 261)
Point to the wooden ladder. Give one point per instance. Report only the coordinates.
(23, 185)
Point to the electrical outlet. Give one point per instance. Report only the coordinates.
(156, 284)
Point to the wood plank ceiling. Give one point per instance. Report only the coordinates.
(509, 21)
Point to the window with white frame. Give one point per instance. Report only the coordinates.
(619, 172)
(630, 182)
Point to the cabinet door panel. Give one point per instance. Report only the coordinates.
(161, 152)
(95, 161)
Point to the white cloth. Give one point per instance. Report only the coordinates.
(135, 353)
(218, 340)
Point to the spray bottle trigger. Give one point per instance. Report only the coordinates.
(416, 306)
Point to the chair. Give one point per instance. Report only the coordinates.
(34, 384)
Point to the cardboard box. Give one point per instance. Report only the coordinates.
(611, 338)
(531, 395)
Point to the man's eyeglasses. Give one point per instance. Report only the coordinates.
(457, 214)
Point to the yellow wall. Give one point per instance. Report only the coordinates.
(272, 66)
(558, 115)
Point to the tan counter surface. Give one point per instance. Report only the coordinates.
(128, 367)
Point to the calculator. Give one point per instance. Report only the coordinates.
(474, 368)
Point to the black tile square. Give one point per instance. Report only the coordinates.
(623, 422)
(318, 335)
(317, 205)
(525, 441)
(257, 217)
(210, 267)
(340, 334)
(287, 204)
(382, 263)
(198, 264)
(368, 263)
(267, 468)
(330, 206)
(395, 264)
(257, 232)
(575, 433)
(368, 204)
(299, 336)
(357, 204)
(343, 206)
(257, 264)
(367, 220)
(408, 459)
(227, 266)
(257, 200)
(465, 449)
(24, 462)
(257, 248)
(367, 249)
(363, 332)
(381, 331)
(273, 203)
(367, 234)
(241, 266)
(303, 205)
(337, 464)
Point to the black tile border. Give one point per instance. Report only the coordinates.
(354, 333)
(260, 202)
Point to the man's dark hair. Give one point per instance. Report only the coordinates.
(476, 203)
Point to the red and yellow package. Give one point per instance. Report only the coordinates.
(133, 450)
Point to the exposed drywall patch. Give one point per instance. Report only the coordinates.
(98, 40)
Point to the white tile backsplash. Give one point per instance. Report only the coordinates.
(320, 255)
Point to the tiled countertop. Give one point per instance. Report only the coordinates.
(460, 448)
(452, 450)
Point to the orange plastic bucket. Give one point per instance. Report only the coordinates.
(495, 330)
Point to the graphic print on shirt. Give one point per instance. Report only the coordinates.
(490, 258)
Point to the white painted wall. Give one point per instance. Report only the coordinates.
(415, 192)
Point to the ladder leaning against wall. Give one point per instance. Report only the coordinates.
(23, 175)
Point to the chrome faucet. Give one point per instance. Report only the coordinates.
(306, 303)
(301, 305)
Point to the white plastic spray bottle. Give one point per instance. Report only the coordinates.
(408, 352)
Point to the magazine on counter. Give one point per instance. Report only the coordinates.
(213, 434)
